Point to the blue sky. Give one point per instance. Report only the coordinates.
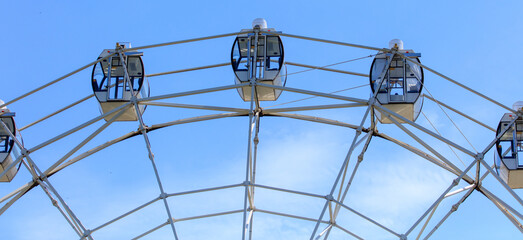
(477, 43)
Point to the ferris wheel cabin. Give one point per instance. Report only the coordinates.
(125, 79)
(7, 144)
(399, 83)
(258, 57)
(509, 149)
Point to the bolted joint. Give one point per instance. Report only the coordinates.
(246, 183)
(25, 152)
(479, 156)
(151, 156)
(329, 197)
(163, 196)
(42, 178)
(360, 157)
(455, 182)
(372, 100)
(143, 128)
(403, 237)
(170, 220)
(477, 185)
(454, 207)
(87, 233)
(134, 100)
(256, 140)
(55, 203)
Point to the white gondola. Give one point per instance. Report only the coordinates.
(402, 84)
(7, 149)
(268, 65)
(509, 148)
(113, 88)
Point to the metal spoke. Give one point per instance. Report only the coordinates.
(457, 83)
(314, 93)
(57, 112)
(370, 102)
(332, 203)
(251, 127)
(326, 69)
(459, 112)
(183, 41)
(189, 93)
(440, 198)
(188, 69)
(452, 210)
(328, 41)
(163, 195)
(55, 81)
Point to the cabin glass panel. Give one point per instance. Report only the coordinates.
(413, 75)
(6, 141)
(402, 79)
(397, 80)
(258, 57)
(4, 144)
(269, 57)
(274, 56)
(510, 145)
(240, 52)
(114, 82)
(379, 67)
(261, 47)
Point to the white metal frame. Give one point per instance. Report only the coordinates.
(334, 200)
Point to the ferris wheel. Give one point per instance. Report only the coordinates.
(390, 114)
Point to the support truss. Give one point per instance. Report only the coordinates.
(333, 201)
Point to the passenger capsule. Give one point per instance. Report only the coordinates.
(8, 151)
(125, 79)
(509, 148)
(399, 82)
(258, 57)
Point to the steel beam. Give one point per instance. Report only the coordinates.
(188, 69)
(317, 107)
(390, 113)
(326, 69)
(367, 218)
(85, 141)
(55, 81)
(189, 93)
(314, 93)
(289, 191)
(327, 41)
(183, 41)
(457, 83)
(459, 112)
(163, 195)
(56, 112)
(135, 133)
(125, 214)
(452, 210)
(440, 198)
(191, 106)
(75, 129)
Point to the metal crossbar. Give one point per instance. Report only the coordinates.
(333, 201)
